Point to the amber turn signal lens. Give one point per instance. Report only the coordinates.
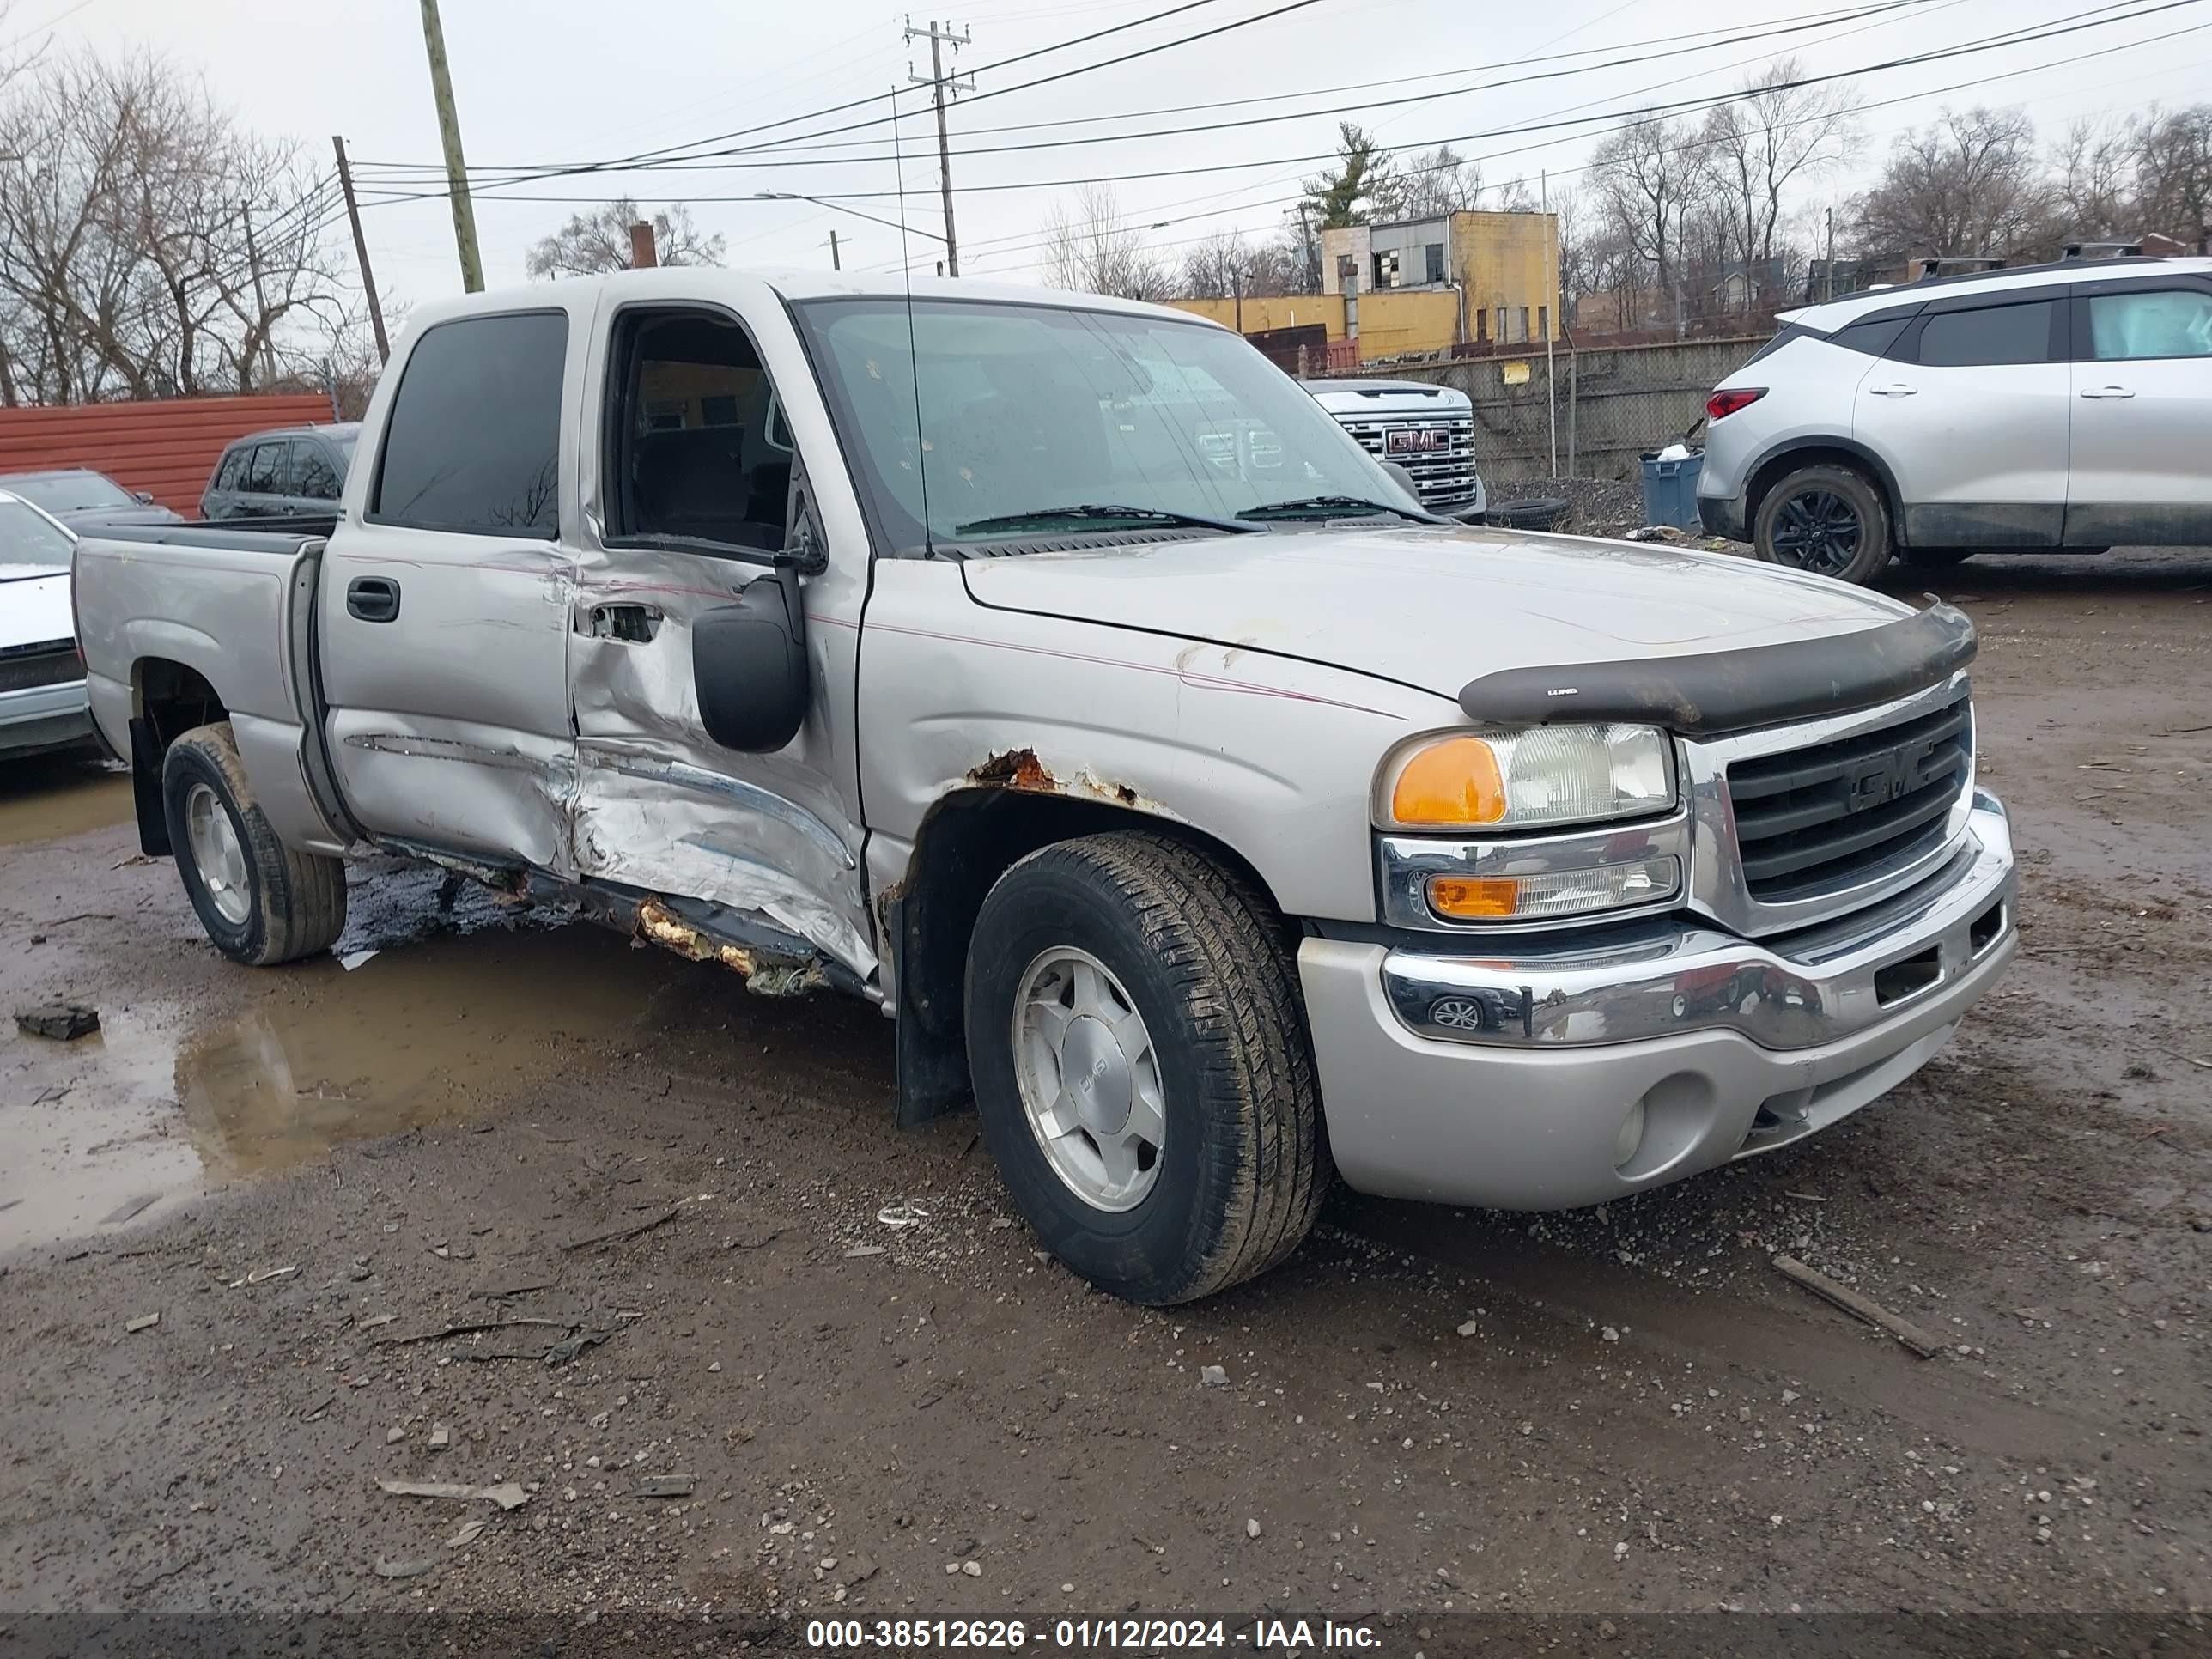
(1474, 898)
(1452, 783)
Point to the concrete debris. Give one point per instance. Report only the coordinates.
(440, 1437)
(387, 1568)
(1469, 1329)
(1212, 1377)
(664, 1485)
(973, 1569)
(1251, 1529)
(860, 1250)
(142, 1322)
(1610, 1334)
(903, 1213)
(467, 1534)
(394, 1435)
(63, 1022)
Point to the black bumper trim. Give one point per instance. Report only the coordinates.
(1723, 691)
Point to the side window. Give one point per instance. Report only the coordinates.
(693, 447)
(2165, 322)
(1987, 335)
(232, 469)
(473, 440)
(264, 470)
(1874, 339)
(312, 475)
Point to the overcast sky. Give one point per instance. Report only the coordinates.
(550, 81)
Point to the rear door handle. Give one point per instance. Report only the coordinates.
(372, 599)
(2107, 392)
(1894, 389)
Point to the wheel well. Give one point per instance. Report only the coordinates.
(1775, 468)
(167, 699)
(968, 839)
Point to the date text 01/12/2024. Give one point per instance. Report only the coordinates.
(1264, 1636)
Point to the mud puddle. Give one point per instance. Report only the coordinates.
(157, 1107)
(47, 797)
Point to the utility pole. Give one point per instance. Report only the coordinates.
(456, 169)
(835, 263)
(1832, 254)
(1552, 324)
(361, 252)
(939, 35)
(260, 296)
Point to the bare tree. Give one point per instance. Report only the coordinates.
(1971, 183)
(1645, 185)
(133, 213)
(1435, 183)
(1222, 264)
(599, 240)
(1092, 248)
(1756, 149)
(2173, 172)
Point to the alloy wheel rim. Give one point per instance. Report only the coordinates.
(217, 855)
(1090, 1079)
(1818, 531)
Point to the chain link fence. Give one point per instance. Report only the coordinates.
(1614, 404)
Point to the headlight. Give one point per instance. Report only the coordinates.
(1541, 776)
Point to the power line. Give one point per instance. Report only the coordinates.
(2028, 35)
(1683, 149)
(1825, 21)
(623, 164)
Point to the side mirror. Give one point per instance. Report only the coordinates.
(143, 497)
(803, 554)
(1404, 478)
(749, 665)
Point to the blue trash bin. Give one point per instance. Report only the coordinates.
(1670, 490)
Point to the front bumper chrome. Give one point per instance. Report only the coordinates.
(1794, 990)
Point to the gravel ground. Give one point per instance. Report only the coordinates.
(863, 1389)
(1596, 506)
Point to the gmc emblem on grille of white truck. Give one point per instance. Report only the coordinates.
(1415, 439)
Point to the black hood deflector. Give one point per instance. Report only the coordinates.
(1718, 692)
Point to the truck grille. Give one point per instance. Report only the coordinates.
(1813, 820)
(1444, 475)
(53, 663)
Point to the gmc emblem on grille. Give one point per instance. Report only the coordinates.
(1880, 779)
(1415, 441)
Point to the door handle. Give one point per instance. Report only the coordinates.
(1894, 389)
(2107, 392)
(372, 599)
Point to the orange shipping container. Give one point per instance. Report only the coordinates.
(167, 448)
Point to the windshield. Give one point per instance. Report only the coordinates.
(1029, 409)
(28, 537)
(71, 492)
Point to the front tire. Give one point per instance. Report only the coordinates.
(260, 901)
(1142, 1066)
(1829, 520)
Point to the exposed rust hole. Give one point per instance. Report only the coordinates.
(1017, 768)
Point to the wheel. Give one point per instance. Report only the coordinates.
(1142, 1066)
(1826, 520)
(1936, 558)
(260, 901)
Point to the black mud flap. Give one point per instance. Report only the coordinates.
(146, 753)
(931, 1041)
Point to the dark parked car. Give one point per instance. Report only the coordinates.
(83, 499)
(296, 472)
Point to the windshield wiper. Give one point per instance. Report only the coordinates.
(1043, 515)
(1329, 507)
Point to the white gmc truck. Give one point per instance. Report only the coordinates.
(1056, 674)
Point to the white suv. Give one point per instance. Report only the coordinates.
(2066, 405)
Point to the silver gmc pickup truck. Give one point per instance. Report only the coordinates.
(1056, 674)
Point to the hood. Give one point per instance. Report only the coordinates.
(34, 605)
(1432, 609)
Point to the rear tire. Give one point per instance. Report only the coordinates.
(1153, 996)
(261, 902)
(1828, 520)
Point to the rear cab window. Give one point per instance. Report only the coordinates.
(472, 444)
